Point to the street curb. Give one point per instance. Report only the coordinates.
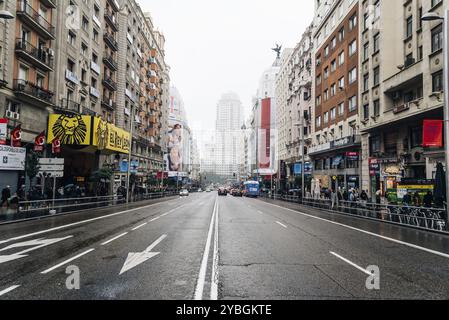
(120, 206)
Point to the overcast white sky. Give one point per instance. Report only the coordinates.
(215, 46)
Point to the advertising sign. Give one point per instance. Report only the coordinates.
(12, 159)
(108, 137)
(70, 129)
(3, 131)
(174, 156)
(433, 134)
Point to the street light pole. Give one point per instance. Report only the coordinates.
(129, 155)
(431, 16)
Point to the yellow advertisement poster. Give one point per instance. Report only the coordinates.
(109, 137)
(70, 129)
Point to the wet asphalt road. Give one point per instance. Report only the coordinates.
(177, 249)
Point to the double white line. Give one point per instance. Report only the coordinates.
(213, 228)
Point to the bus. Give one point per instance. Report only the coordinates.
(251, 189)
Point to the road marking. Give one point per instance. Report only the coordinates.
(34, 244)
(203, 269)
(115, 238)
(281, 224)
(3, 292)
(82, 222)
(215, 261)
(414, 246)
(351, 263)
(136, 258)
(258, 211)
(67, 261)
(138, 227)
(154, 219)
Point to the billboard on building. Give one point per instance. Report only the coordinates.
(174, 146)
(70, 129)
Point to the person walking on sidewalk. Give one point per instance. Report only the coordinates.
(6, 194)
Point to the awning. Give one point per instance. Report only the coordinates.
(337, 161)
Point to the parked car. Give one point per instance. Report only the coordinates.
(184, 193)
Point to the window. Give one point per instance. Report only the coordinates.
(366, 112)
(352, 47)
(333, 113)
(366, 82)
(318, 100)
(352, 103)
(366, 51)
(341, 109)
(376, 77)
(353, 75)
(374, 145)
(341, 34)
(333, 43)
(376, 42)
(376, 107)
(341, 83)
(333, 65)
(437, 38)
(326, 117)
(326, 51)
(437, 81)
(326, 95)
(341, 58)
(333, 90)
(409, 27)
(318, 79)
(318, 121)
(353, 22)
(326, 73)
(71, 38)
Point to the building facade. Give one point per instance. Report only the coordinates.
(336, 144)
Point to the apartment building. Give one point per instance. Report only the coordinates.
(335, 148)
(295, 102)
(401, 86)
(27, 67)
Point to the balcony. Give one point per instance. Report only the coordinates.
(69, 105)
(37, 22)
(108, 60)
(49, 3)
(114, 4)
(110, 84)
(39, 57)
(110, 41)
(109, 104)
(32, 93)
(111, 20)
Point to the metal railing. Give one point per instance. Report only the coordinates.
(28, 87)
(420, 217)
(23, 7)
(40, 54)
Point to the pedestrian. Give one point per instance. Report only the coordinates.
(407, 200)
(6, 194)
(378, 196)
(334, 199)
(364, 196)
(428, 200)
(417, 199)
(345, 195)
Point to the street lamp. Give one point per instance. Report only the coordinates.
(6, 15)
(301, 126)
(432, 16)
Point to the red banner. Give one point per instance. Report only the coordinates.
(16, 137)
(3, 131)
(433, 134)
(56, 146)
(39, 142)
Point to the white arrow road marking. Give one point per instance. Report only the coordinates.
(134, 259)
(34, 244)
(3, 292)
(351, 263)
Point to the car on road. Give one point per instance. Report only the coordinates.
(237, 193)
(222, 192)
(184, 193)
(200, 190)
(208, 190)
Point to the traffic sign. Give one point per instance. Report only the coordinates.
(48, 161)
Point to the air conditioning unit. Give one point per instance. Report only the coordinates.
(12, 115)
(417, 156)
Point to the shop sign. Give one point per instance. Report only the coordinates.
(352, 156)
(3, 131)
(374, 167)
(12, 159)
(69, 129)
(109, 137)
(393, 170)
(341, 142)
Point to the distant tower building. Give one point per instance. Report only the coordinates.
(228, 135)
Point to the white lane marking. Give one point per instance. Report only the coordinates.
(3, 292)
(81, 222)
(140, 226)
(215, 261)
(258, 211)
(351, 263)
(154, 219)
(115, 238)
(414, 246)
(202, 274)
(67, 261)
(134, 259)
(281, 224)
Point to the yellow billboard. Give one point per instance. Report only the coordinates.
(108, 137)
(70, 129)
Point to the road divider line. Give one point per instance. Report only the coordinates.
(350, 263)
(258, 211)
(67, 261)
(82, 222)
(281, 224)
(140, 226)
(7, 290)
(414, 246)
(115, 238)
(154, 219)
(203, 269)
(215, 261)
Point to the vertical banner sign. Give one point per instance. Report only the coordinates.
(16, 137)
(56, 146)
(39, 142)
(3, 131)
(433, 134)
(265, 135)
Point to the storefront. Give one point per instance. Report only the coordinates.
(12, 165)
